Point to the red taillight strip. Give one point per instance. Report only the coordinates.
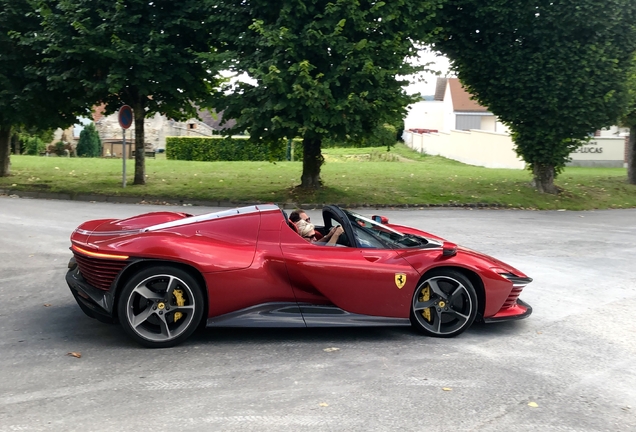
(99, 255)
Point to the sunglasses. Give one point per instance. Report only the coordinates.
(308, 219)
(313, 236)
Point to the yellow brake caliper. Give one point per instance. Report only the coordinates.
(178, 296)
(425, 295)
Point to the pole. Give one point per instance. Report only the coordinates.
(123, 157)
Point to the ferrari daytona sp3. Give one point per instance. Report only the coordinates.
(162, 275)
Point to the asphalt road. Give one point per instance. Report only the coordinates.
(574, 359)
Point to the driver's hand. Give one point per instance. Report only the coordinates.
(337, 231)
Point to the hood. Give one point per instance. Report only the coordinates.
(104, 229)
(130, 225)
(100, 231)
(506, 268)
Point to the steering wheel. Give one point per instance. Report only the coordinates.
(343, 240)
(334, 214)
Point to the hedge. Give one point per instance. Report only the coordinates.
(384, 135)
(218, 148)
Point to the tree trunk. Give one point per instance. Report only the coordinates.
(312, 161)
(544, 179)
(631, 156)
(5, 150)
(139, 113)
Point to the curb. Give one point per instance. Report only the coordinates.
(212, 203)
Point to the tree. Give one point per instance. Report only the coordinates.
(156, 56)
(554, 71)
(629, 120)
(320, 69)
(89, 143)
(26, 99)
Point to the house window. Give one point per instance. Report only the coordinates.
(465, 122)
(192, 126)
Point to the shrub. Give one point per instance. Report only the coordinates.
(217, 148)
(384, 135)
(32, 145)
(60, 148)
(89, 144)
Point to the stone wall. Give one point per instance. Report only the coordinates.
(156, 129)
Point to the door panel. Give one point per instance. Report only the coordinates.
(361, 281)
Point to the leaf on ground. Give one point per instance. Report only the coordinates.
(323, 404)
(447, 389)
(332, 349)
(74, 354)
(533, 405)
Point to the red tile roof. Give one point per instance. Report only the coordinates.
(461, 98)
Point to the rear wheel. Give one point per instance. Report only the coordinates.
(444, 305)
(161, 306)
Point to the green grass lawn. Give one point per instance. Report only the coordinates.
(351, 177)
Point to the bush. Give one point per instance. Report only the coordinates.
(60, 148)
(218, 148)
(297, 150)
(32, 145)
(384, 135)
(89, 144)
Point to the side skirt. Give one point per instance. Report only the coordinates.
(303, 315)
(332, 316)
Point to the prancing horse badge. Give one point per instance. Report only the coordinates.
(400, 280)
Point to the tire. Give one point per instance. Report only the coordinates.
(161, 306)
(444, 304)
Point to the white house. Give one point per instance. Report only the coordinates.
(455, 126)
(451, 109)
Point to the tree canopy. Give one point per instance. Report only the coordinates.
(554, 71)
(156, 56)
(26, 98)
(320, 69)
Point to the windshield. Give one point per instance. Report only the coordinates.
(364, 228)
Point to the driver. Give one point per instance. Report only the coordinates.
(306, 231)
(300, 214)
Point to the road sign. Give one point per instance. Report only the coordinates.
(125, 121)
(125, 117)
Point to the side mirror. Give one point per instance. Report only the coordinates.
(380, 219)
(449, 249)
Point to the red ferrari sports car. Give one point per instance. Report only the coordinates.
(163, 274)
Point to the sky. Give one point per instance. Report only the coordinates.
(424, 83)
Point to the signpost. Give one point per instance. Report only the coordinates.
(125, 121)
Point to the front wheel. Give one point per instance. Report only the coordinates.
(161, 306)
(444, 305)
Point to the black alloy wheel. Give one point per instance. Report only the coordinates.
(161, 306)
(444, 304)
